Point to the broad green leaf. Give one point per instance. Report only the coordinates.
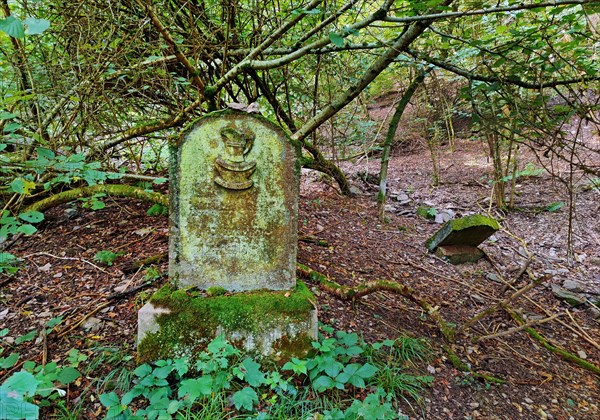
(27, 229)
(32, 216)
(194, 388)
(323, 383)
(97, 205)
(336, 39)
(21, 186)
(68, 375)
(160, 180)
(110, 400)
(245, 399)
(35, 26)
(23, 383)
(13, 408)
(6, 258)
(9, 361)
(7, 115)
(46, 153)
(11, 127)
(26, 337)
(12, 26)
(252, 373)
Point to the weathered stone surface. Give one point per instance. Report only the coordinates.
(469, 231)
(573, 299)
(234, 205)
(179, 323)
(459, 254)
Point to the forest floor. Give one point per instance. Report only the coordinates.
(60, 277)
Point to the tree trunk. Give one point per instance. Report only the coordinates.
(389, 138)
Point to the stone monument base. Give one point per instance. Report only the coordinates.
(179, 323)
(459, 254)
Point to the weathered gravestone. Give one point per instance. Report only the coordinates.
(458, 239)
(232, 248)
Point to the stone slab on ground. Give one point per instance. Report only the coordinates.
(179, 323)
(459, 254)
(470, 231)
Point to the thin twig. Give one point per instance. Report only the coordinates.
(66, 258)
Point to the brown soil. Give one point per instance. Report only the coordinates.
(61, 278)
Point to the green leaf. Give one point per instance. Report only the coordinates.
(555, 206)
(336, 39)
(27, 337)
(97, 205)
(23, 383)
(46, 153)
(160, 180)
(252, 373)
(36, 26)
(110, 400)
(245, 399)
(7, 115)
(194, 388)
(32, 216)
(68, 375)
(323, 383)
(12, 26)
(21, 186)
(13, 408)
(9, 361)
(11, 127)
(27, 229)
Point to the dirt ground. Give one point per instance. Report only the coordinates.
(61, 278)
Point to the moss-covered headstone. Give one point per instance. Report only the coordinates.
(233, 242)
(235, 195)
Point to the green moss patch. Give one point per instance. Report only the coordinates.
(194, 319)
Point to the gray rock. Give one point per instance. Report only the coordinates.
(92, 325)
(573, 299)
(354, 190)
(573, 286)
(444, 216)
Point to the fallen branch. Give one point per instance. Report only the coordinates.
(495, 307)
(115, 190)
(517, 329)
(352, 293)
(552, 348)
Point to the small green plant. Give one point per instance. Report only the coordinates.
(8, 263)
(427, 212)
(107, 257)
(94, 202)
(223, 378)
(157, 210)
(216, 291)
(152, 273)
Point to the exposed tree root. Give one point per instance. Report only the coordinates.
(115, 190)
(552, 348)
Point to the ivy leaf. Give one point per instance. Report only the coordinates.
(36, 26)
(336, 39)
(32, 216)
(12, 26)
(245, 399)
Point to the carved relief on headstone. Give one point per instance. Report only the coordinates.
(232, 169)
(234, 205)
